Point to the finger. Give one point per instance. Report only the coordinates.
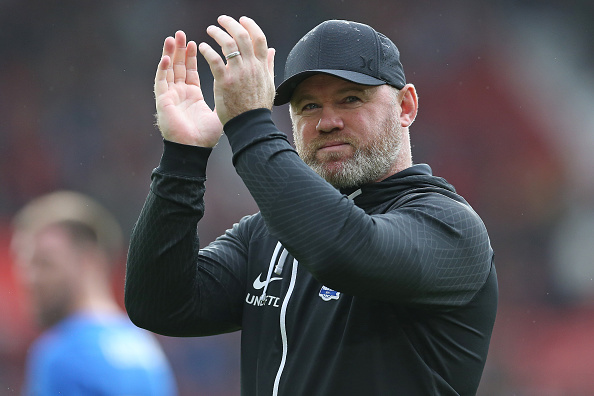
(214, 60)
(270, 59)
(260, 46)
(227, 43)
(192, 76)
(239, 34)
(168, 50)
(161, 83)
(179, 57)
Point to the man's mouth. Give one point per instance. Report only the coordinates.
(333, 146)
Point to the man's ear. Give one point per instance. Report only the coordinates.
(409, 104)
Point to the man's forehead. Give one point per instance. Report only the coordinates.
(26, 245)
(50, 232)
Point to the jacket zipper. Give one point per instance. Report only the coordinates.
(283, 327)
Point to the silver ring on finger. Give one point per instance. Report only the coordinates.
(232, 55)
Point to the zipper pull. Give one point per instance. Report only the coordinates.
(279, 267)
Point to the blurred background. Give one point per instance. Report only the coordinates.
(506, 114)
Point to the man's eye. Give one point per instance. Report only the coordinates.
(351, 99)
(309, 106)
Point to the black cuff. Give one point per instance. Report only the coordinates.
(251, 127)
(183, 160)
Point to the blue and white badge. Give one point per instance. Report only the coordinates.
(328, 294)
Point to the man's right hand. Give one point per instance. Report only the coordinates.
(182, 114)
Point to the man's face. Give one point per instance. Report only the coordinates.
(348, 133)
(47, 266)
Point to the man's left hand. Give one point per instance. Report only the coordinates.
(245, 81)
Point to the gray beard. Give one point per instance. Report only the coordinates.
(368, 164)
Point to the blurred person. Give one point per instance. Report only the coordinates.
(362, 274)
(64, 245)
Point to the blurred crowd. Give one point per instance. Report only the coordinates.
(506, 90)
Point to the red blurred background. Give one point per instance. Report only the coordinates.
(506, 90)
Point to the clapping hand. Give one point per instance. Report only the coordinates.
(183, 116)
(244, 82)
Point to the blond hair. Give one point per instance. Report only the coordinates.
(69, 206)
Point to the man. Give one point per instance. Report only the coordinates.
(364, 276)
(64, 244)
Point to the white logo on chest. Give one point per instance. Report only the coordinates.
(259, 283)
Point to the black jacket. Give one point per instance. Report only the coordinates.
(390, 292)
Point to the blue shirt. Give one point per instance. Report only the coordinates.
(89, 354)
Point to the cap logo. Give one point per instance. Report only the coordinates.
(366, 63)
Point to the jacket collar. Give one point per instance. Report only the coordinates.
(416, 177)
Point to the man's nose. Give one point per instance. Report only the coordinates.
(330, 121)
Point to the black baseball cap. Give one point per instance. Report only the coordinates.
(349, 50)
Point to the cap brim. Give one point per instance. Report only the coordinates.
(284, 92)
